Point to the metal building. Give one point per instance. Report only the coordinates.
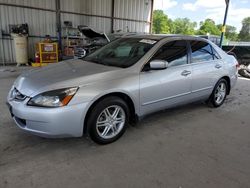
(45, 17)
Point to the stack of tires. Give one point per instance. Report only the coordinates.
(244, 71)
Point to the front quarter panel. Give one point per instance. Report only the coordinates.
(128, 85)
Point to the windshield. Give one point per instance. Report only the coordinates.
(122, 53)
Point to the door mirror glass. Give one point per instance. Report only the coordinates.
(158, 65)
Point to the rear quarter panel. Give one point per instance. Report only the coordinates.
(231, 66)
(230, 63)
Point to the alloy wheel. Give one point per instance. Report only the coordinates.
(220, 93)
(110, 122)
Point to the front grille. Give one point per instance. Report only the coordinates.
(17, 95)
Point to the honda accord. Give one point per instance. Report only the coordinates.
(120, 83)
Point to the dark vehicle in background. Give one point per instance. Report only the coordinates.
(213, 38)
(96, 40)
(242, 54)
(240, 50)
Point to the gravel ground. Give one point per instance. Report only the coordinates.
(186, 147)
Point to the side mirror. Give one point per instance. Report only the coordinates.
(158, 65)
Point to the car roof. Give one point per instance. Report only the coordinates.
(203, 36)
(162, 36)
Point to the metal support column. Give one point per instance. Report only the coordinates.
(112, 15)
(151, 17)
(223, 29)
(58, 24)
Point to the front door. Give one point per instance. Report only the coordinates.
(160, 89)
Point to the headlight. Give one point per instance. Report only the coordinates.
(55, 98)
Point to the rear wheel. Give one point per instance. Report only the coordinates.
(219, 94)
(108, 120)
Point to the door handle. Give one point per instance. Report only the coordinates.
(185, 73)
(217, 66)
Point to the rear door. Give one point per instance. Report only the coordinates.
(206, 68)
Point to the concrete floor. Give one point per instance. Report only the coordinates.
(191, 146)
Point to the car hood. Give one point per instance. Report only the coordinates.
(65, 74)
(90, 33)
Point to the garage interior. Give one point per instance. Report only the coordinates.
(190, 146)
(48, 18)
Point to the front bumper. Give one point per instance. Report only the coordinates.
(58, 122)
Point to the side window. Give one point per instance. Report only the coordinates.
(174, 52)
(201, 51)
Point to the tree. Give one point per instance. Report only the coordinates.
(183, 26)
(160, 22)
(231, 33)
(208, 26)
(244, 34)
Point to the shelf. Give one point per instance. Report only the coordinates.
(71, 27)
(49, 52)
(73, 37)
(50, 61)
(72, 46)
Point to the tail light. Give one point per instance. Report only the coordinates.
(237, 65)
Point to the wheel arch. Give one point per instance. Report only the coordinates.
(229, 83)
(123, 96)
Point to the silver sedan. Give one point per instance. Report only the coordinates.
(120, 83)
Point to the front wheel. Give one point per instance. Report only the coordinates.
(108, 120)
(219, 94)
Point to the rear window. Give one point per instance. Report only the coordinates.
(201, 51)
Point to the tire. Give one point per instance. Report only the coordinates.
(244, 72)
(219, 95)
(108, 120)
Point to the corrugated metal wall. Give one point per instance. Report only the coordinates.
(129, 15)
(40, 23)
(93, 7)
(134, 10)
